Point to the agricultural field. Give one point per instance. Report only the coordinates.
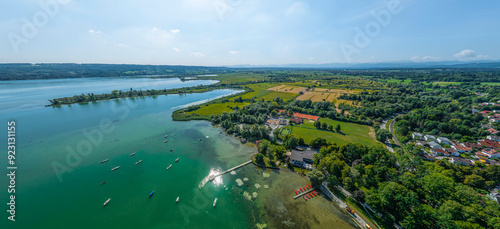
(491, 83)
(398, 81)
(315, 94)
(447, 83)
(350, 133)
(216, 108)
(261, 91)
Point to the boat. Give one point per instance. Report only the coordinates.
(138, 162)
(104, 161)
(115, 168)
(305, 198)
(104, 182)
(151, 194)
(176, 160)
(166, 135)
(132, 154)
(295, 192)
(201, 139)
(171, 150)
(106, 202)
(177, 200)
(170, 166)
(165, 141)
(215, 201)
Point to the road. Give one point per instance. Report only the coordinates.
(391, 129)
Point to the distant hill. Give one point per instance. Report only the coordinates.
(55, 71)
(384, 65)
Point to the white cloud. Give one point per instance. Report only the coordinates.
(425, 58)
(233, 52)
(469, 54)
(176, 49)
(122, 45)
(198, 54)
(94, 31)
(175, 31)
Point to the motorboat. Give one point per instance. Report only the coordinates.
(104, 161)
(107, 202)
(177, 200)
(104, 182)
(138, 162)
(215, 201)
(151, 194)
(176, 160)
(172, 150)
(115, 168)
(166, 135)
(132, 154)
(165, 141)
(170, 166)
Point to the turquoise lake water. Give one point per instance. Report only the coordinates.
(58, 150)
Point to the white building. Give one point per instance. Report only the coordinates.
(303, 159)
(443, 140)
(429, 137)
(416, 135)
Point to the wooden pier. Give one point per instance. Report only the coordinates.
(303, 193)
(229, 170)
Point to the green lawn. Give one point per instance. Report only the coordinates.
(491, 83)
(260, 92)
(447, 83)
(398, 81)
(216, 108)
(350, 133)
(285, 131)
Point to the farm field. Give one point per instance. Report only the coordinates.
(447, 83)
(315, 94)
(350, 133)
(261, 92)
(216, 108)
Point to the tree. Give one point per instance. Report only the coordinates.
(274, 113)
(316, 177)
(279, 152)
(291, 143)
(383, 135)
(317, 124)
(324, 126)
(318, 142)
(475, 181)
(259, 158)
(337, 128)
(301, 142)
(359, 195)
(330, 127)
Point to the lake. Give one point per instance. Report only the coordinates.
(59, 177)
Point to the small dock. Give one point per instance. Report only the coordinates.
(303, 193)
(229, 170)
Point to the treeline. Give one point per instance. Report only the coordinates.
(116, 94)
(432, 75)
(56, 71)
(411, 192)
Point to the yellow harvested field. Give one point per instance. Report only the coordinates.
(289, 89)
(306, 96)
(315, 94)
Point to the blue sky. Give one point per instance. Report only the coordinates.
(257, 32)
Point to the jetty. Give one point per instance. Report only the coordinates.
(212, 177)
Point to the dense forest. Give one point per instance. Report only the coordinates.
(414, 193)
(57, 71)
